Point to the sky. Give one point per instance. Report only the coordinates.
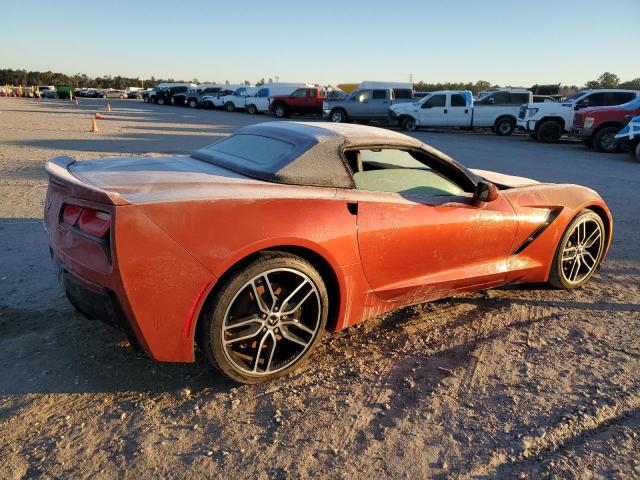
(329, 42)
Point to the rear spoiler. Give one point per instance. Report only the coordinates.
(58, 170)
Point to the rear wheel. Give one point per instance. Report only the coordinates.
(549, 131)
(634, 151)
(605, 140)
(266, 320)
(193, 103)
(251, 109)
(161, 101)
(229, 107)
(504, 126)
(579, 251)
(408, 124)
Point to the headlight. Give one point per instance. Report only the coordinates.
(532, 111)
(588, 122)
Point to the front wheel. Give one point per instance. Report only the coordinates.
(338, 116)
(408, 124)
(160, 101)
(579, 251)
(549, 132)
(266, 320)
(504, 126)
(193, 103)
(280, 111)
(605, 140)
(229, 107)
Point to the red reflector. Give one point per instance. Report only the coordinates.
(71, 214)
(94, 223)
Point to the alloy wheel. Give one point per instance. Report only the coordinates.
(271, 321)
(582, 251)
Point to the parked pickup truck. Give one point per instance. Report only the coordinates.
(454, 108)
(598, 126)
(303, 101)
(546, 122)
(365, 104)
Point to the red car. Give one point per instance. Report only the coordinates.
(304, 101)
(257, 244)
(598, 126)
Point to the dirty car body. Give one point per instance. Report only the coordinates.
(152, 242)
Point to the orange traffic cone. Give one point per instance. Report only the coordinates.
(94, 125)
(108, 107)
(98, 116)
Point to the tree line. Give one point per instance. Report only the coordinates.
(24, 77)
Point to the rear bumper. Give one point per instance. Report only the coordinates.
(582, 132)
(94, 301)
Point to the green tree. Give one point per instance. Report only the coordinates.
(631, 84)
(606, 80)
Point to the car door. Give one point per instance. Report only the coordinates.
(421, 236)
(359, 104)
(458, 110)
(433, 111)
(379, 103)
(298, 100)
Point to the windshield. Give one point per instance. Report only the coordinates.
(575, 96)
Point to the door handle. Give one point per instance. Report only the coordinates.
(445, 110)
(466, 110)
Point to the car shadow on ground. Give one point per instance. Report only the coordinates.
(47, 347)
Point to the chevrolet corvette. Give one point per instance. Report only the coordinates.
(254, 246)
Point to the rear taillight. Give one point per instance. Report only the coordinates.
(87, 220)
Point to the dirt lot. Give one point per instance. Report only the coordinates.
(520, 382)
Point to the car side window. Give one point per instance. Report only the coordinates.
(519, 98)
(379, 95)
(264, 92)
(596, 99)
(313, 93)
(618, 98)
(397, 171)
(363, 95)
(458, 100)
(435, 101)
(300, 93)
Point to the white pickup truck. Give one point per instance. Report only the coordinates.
(546, 122)
(497, 110)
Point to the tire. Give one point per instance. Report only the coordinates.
(635, 153)
(146, 99)
(229, 107)
(193, 103)
(251, 109)
(249, 359)
(504, 126)
(588, 142)
(549, 131)
(604, 140)
(338, 116)
(280, 110)
(121, 97)
(563, 267)
(408, 124)
(160, 101)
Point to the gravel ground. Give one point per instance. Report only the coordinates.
(520, 382)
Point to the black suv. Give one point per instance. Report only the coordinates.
(165, 95)
(193, 97)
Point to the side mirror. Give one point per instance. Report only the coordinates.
(485, 192)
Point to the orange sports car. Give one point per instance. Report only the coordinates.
(255, 245)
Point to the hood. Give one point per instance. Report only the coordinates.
(403, 106)
(503, 180)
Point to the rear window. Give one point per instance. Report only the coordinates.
(402, 93)
(256, 149)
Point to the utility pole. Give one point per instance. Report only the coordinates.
(411, 78)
